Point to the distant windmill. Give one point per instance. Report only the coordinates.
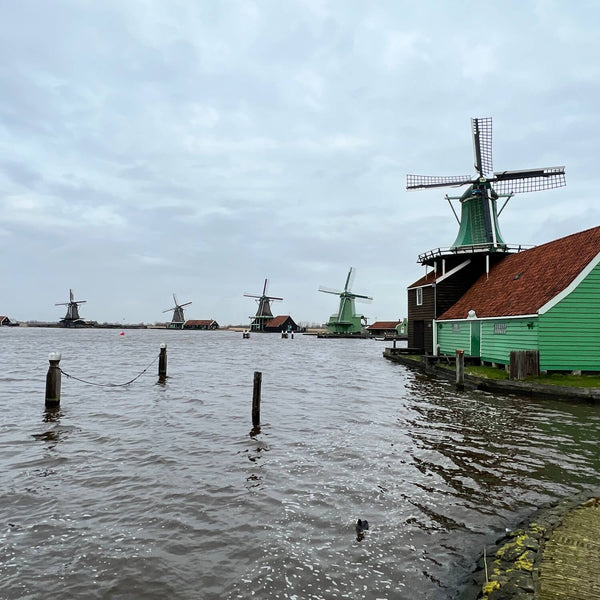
(478, 223)
(72, 305)
(263, 312)
(178, 319)
(346, 320)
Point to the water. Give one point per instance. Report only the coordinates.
(160, 491)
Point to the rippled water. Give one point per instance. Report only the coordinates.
(160, 491)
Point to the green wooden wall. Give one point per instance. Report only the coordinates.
(450, 340)
(498, 338)
(569, 337)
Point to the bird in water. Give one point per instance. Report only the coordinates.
(361, 526)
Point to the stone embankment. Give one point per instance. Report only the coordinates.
(555, 555)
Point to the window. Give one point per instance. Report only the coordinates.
(419, 296)
(499, 328)
(455, 327)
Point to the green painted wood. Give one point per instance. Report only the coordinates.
(570, 331)
(451, 340)
(518, 334)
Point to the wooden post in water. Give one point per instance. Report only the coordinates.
(53, 381)
(162, 363)
(256, 399)
(460, 369)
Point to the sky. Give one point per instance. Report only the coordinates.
(198, 147)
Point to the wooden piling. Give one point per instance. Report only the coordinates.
(460, 369)
(256, 399)
(53, 380)
(162, 363)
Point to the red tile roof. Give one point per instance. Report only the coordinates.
(522, 283)
(277, 321)
(427, 279)
(384, 325)
(198, 322)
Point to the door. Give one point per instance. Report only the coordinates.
(419, 336)
(475, 338)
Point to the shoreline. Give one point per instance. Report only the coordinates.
(522, 388)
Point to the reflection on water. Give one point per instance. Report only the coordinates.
(159, 491)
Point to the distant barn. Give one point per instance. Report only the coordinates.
(388, 328)
(4, 321)
(279, 324)
(201, 324)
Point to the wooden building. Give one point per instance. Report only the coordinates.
(388, 328)
(279, 324)
(546, 298)
(4, 321)
(205, 324)
(448, 276)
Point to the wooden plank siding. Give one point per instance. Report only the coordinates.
(569, 337)
(425, 313)
(451, 340)
(520, 334)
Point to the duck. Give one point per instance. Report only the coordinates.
(361, 526)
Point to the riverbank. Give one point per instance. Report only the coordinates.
(445, 369)
(554, 554)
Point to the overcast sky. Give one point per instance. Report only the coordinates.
(198, 147)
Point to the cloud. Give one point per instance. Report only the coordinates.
(154, 148)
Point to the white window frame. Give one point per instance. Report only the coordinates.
(419, 296)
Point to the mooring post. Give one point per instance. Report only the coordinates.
(256, 399)
(460, 369)
(53, 380)
(162, 362)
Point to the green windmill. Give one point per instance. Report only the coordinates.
(346, 320)
(478, 223)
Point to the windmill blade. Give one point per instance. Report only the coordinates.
(265, 287)
(350, 279)
(175, 300)
(330, 291)
(482, 145)
(71, 295)
(80, 302)
(252, 296)
(363, 299)
(273, 298)
(62, 304)
(170, 309)
(417, 182)
(342, 307)
(529, 180)
(186, 304)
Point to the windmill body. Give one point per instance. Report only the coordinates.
(479, 231)
(263, 312)
(346, 320)
(72, 317)
(178, 319)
